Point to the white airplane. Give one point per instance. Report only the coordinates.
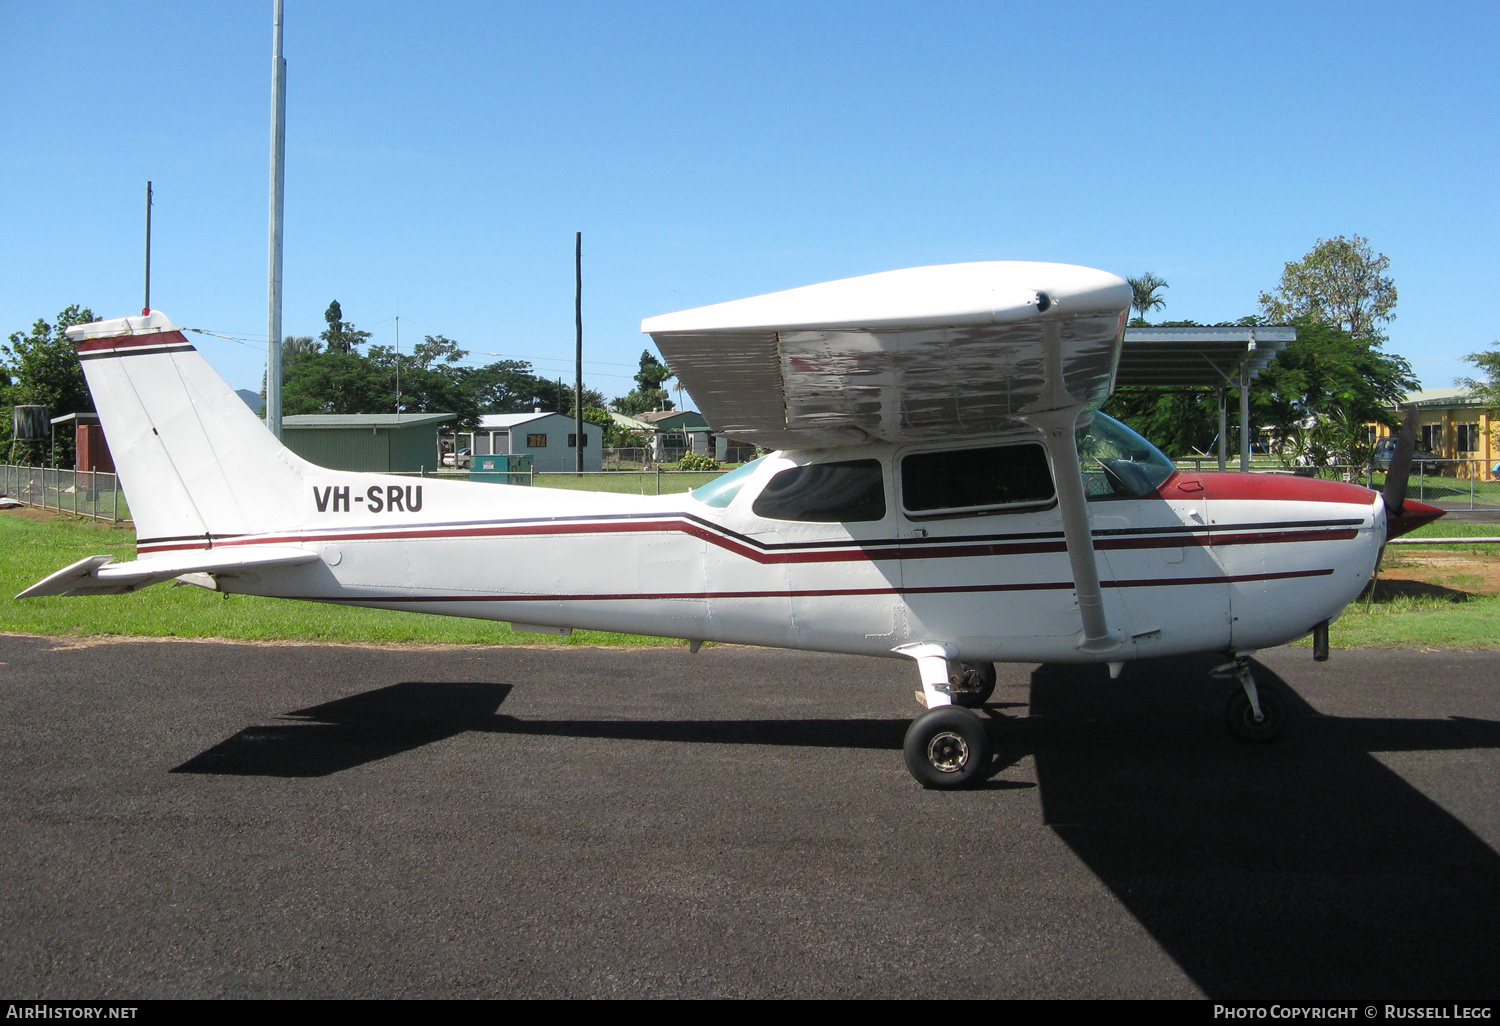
(944, 490)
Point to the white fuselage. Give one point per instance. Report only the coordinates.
(1207, 563)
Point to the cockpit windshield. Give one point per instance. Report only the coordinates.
(1118, 463)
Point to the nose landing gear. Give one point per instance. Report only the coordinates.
(1252, 715)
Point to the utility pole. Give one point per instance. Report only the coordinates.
(146, 308)
(578, 319)
(278, 195)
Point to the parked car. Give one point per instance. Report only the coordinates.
(1385, 450)
(458, 460)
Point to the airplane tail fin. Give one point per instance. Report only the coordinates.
(195, 462)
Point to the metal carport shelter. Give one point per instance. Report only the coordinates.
(1194, 357)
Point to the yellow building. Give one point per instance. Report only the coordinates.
(1454, 427)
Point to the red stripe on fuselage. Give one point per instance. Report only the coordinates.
(961, 589)
(155, 338)
(853, 553)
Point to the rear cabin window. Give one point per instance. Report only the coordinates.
(976, 480)
(824, 493)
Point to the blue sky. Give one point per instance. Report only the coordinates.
(440, 157)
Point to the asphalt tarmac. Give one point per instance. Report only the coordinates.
(217, 820)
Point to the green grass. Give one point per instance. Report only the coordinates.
(36, 544)
(624, 482)
(1418, 621)
(1455, 610)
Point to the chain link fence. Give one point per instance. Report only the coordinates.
(85, 493)
(642, 458)
(1447, 484)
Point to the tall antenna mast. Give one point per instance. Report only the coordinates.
(398, 359)
(146, 307)
(278, 195)
(578, 318)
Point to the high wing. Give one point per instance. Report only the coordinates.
(915, 354)
(96, 575)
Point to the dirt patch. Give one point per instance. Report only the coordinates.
(1452, 575)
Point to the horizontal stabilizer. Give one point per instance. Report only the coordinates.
(96, 575)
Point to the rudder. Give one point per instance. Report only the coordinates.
(194, 461)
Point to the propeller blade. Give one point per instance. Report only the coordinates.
(1396, 475)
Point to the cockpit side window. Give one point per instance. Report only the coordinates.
(845, 492)
(966, 481)
(720, 492)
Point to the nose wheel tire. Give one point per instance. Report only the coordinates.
(1239, 717)
(973, 686)
(947, 748)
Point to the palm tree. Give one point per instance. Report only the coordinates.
(294, 347)
(1145, 299)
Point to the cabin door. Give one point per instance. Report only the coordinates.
(984, 563)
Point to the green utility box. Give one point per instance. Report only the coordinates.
(505, 468)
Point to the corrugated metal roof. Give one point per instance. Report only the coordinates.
(630, 423)
(1197, 356)
(691, 420)
(365, 420)
(1442, 397)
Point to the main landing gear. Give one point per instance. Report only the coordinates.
(1252, 715)
(947, 747)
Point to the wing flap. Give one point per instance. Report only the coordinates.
(97, 575)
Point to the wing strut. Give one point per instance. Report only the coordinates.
(1059, 433)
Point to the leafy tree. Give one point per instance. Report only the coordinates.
(341, 336)
(1321, 389)
(1341, 281)
(1488, 362)
(42, 369)
(652, 374)
(1144, 297)
(615, 435)
(650, 392)
(1181, 422)
(338, 382)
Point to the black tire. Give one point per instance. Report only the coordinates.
(1240, 718)
(947, 748)
(981, 685)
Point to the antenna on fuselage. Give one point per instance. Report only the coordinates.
(146, 306)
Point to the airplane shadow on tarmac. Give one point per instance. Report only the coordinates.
(1304, 868)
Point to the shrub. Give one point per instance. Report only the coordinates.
(697, 461)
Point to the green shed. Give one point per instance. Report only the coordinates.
(379, 442)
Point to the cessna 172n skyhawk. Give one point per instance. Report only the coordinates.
(944, 489)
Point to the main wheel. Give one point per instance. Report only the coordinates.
(947, 748)
(1239, 717)
(975, 685)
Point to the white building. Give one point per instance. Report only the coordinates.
(549, 438)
